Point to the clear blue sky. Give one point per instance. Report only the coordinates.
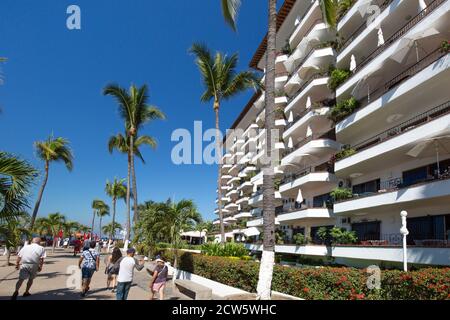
(54, 77)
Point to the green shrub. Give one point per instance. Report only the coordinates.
(346, 152)
(327, 283)
(445, 46)
(230, 249)
(343, 109)
(339, 194)
(300, 239)
(342, 236)
(338, 77)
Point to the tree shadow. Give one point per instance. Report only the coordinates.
(63, 294)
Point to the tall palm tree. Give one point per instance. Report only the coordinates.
(221, 82)
(104, 211)
(97, 206)
(51, 225)
(136, 112)
(51, 150)
(16, 177)
(122, 144)
(116, 190)
(230, 9)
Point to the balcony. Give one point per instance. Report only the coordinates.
(427, 75)
(316, 116)
(243, 215)
(386, 50)
(306, 178)
(319, 58)
(416, 255)
(316, 145)
(304, 214)
(395, 192)
(317, 86)
(259, 222)
(312, 13)
(397, 142)
(257, 199)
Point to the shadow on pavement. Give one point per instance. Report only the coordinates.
(62, 294)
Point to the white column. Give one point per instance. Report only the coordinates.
(404, 231)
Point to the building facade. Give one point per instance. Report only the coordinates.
(363, 115)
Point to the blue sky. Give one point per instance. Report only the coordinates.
(54, 77)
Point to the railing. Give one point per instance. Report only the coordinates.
(361, 28)
(398, 183)
(298, 65)
(301, 19)
(413, 22)
(317, 136)
(402, 77)
(419, 120)
(314, 107)
(301, 173)
(314, 77)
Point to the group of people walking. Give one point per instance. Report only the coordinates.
(119, 269)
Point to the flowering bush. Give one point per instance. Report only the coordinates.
(327, 283)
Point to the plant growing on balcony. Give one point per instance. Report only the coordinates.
(343, 109)
(346, 151)
(339, 194)
(343, 7)
(445, 46)
(279, 114)
(287, 48)
(277, 184)
(279, 93)
(342, 236)
(337, 77)
(300, 239)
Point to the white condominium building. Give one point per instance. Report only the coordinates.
(364, 119)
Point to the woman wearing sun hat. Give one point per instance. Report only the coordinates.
(159, 279)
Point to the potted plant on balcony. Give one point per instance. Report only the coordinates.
(279, 114)
(346, 152)
(300, 239)
(343, 109)
(339, 194)
(445, 46)
(287, 48)
(343, 236)
(337, 77)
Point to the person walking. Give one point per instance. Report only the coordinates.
(76, 246)
(126, 271)
(112, 268)
(89, 263)
(159, 279)
(30, 260)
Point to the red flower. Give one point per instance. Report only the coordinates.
(305, 290)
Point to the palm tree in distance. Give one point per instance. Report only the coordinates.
(136, 112)
(221, 82)
(16, 178)
(116, 190)
(97, 206)
(51, 150)
(109, 229)
(104, 211)
(122, 144)
(230, 10)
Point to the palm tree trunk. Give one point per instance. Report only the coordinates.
(100, 231)
(135, 197)
(268, 255)
(8, 256)
(219, 187)
(111, 235)
(39, 198)
(93, 223)
(128, 195)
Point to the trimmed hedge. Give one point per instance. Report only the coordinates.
(327, 283)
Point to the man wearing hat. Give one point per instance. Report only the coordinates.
(126, 270)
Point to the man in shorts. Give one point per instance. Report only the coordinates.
(30, 260)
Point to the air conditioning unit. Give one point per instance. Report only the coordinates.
(344, 183)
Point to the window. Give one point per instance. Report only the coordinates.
(428, 228)
(367, 187)
(367, 230)
(415, 176)
(322, 201)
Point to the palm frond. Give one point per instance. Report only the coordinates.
(230, 9)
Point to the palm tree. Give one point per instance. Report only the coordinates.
(13, 231)
(206, 226)
(109, 229)
(51, 150)
(102, 213)
(97, 206)
(16, 177)
(230, 9)
(70, 227)
(136, 112)
(51, 225)
(121, 144)
(116, 190)
(221, 82)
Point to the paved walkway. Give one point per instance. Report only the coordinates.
(56, 281)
